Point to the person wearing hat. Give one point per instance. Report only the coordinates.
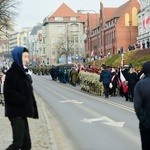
(19, 99)
(142, 105)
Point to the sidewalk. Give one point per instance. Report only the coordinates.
(40, 130)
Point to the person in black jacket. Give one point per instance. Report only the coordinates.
(132, 80)
(105, 77)
(19, 99)
(142, 106)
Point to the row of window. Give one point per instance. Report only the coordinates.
(69, 29)
(76, 51)
(110, 23)
(110, 37)
(73, 39)
(4, 47)
(61, 18)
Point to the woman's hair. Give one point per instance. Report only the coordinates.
(132, 70)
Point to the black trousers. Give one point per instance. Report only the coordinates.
(106, 89)
(145, 139)
(21, 135)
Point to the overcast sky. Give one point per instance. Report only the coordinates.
(33, 11)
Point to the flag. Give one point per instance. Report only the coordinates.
(122, 79)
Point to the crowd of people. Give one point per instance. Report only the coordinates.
(65, 74)
(109, 76)
(114, 76)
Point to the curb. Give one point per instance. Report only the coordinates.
(51, 135)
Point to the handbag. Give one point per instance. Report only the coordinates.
(110, 85)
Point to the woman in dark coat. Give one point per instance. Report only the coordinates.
(132, 80)
(19, 99)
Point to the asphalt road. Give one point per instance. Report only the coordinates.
(83, 121)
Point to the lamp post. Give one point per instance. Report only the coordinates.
(97, 51)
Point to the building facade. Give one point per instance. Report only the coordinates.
(4, 40)
(63, 31)
(144, 23)
(14, 40)
(117, 30)
(35, 44)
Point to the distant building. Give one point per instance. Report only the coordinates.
(4, 38)
(19, 38)
(114, 30)
(35, 44)
(67, 26)
(120, 30)
(14, 40)
(144, 23)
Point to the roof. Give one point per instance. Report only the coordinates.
(121, 9)
(66, 12)
(63, 11)
(35, 29)
(92, 17)
(109, 13)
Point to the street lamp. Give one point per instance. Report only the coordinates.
(97, 51)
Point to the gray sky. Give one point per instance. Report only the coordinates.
(33, 11)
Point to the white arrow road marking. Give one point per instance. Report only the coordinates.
(91, 120)
(107, 120)
(72, 101)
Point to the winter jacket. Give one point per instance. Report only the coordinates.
(132, 79)
(18, 91)
(105, 77)
(142, 102)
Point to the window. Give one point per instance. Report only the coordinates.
(43, 50)
(53, 52)
(58, 18)
(53, 40)
(73, 18)
(74, 28)
(60, 29)
(72, 39)
(76, 39)
(81, 40)
(44, 40)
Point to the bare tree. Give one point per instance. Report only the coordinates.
(8, 12)
(65, 46)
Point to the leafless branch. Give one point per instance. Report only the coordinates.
(8, 12)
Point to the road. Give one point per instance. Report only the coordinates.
(82, 121)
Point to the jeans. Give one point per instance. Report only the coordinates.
(21, 135)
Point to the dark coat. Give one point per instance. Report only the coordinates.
(142, 102)
(132, 79)
(18, 94)
(125, 73)
(105, 76)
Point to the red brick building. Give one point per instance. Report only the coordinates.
(117, 29)
(122, 29)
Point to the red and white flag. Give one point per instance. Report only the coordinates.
(122, 79)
